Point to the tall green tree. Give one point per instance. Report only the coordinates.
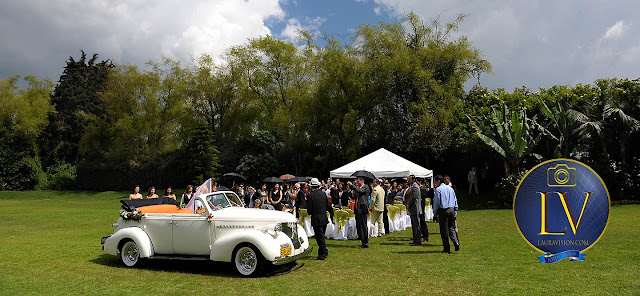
(202, 155)
(76, 98)
(23, 115)
(414, 79)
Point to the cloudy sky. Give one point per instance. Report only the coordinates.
(530, 43)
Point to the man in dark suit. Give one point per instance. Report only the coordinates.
(362, 193)
(413, 203)
(317, 209)
(388, 200)
(424, 230)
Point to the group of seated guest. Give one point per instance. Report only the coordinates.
(135, 194)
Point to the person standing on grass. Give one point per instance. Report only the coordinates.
(275, 197)
(317, 209)
(361, 193)
(473, 180)
(445, 206)
(424, 230)
(447, 181)
(377, 206)
(413, 202)
(388, 200)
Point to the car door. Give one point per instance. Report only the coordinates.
(159, 228)
(192, 234)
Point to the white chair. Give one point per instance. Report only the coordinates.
(307, 227)
(329, 232)
(373, 228)
(352, 232)
(428, 215)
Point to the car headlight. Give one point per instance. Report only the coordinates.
(272, 230)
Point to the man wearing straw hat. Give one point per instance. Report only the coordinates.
(317, 208)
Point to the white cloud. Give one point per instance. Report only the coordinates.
(129, 32)
(290, 32)
(541, 43)
(616, 31)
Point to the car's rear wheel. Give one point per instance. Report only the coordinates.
(130, 253)
(249, 261)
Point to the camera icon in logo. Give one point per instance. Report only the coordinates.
(561, 176)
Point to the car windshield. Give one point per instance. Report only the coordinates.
(233, 198)
(218, 201)
(223, 200)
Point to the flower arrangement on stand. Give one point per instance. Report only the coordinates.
(135, 215)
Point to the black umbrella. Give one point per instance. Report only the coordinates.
(298, 179)
(222, 188)
(234, 175)
(363, 173)
(272, 180)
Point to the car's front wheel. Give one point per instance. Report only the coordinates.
(248, 261)
(130, 253)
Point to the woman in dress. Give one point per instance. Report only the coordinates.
(275, 197)
(263, 194)
(135, 194)
(186, 197)
(152, 193)
(301, 199)
(169, 193)
(342, 197)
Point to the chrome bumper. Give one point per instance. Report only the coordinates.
(286, 260)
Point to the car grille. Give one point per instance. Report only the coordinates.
(291, 230)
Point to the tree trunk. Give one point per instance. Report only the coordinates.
(506, 168)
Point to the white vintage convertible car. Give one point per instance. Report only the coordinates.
(220, 229)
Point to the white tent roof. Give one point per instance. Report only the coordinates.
(382, 163)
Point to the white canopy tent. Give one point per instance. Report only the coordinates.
(383, 163)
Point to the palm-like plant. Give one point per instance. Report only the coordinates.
(510, 133)
(569, 127)
(621, 127)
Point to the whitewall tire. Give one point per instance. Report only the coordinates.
(248, 261)
(130, 253)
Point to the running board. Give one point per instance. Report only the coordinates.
(190, 258)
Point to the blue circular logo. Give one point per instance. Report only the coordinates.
(561, 205)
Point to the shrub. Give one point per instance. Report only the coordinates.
(506, 188)
(59, 177)
(20, 167)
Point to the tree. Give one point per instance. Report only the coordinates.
(510, 133)
(213, 92)
(76, 98)
(202, 155)
(414, 77)
(25, 110)
(23, 114)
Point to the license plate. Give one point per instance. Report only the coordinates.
(285, 251)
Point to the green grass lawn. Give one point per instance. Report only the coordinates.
(50, 244)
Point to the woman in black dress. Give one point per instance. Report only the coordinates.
(275, 196)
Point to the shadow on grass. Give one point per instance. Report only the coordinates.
(418, 252)
(355, 245)
(223, 269)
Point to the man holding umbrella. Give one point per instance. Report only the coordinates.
(362, 193)
(317, 208)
